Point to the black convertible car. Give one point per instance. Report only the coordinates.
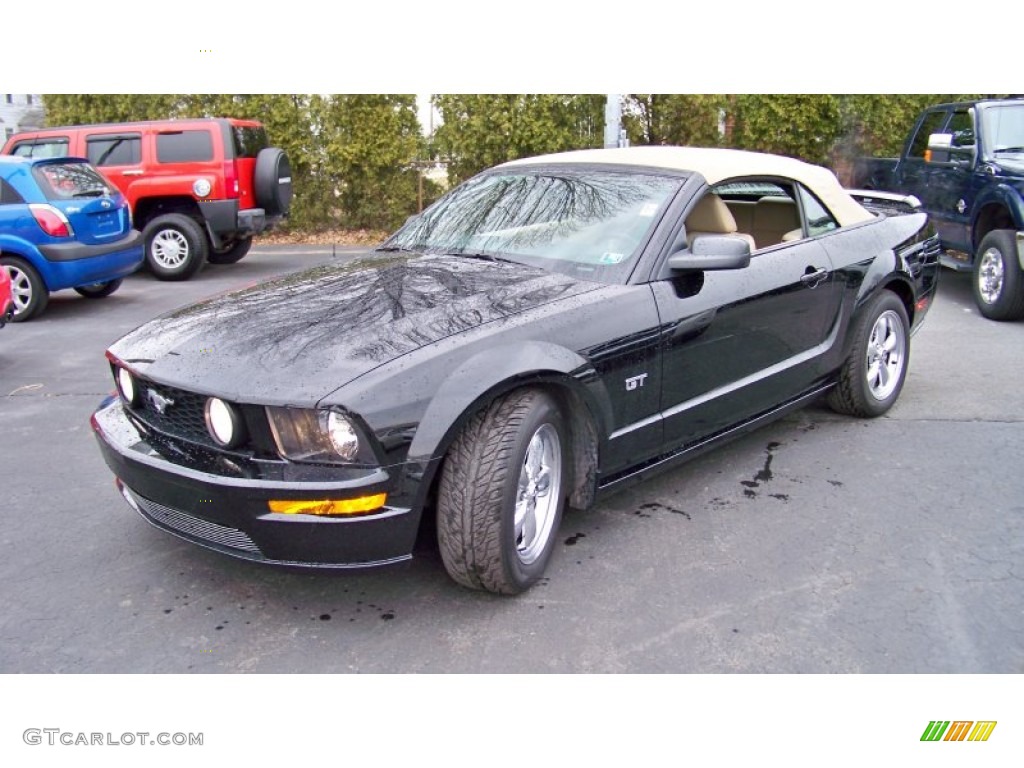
(549, 330)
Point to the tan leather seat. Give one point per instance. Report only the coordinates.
(711, 216)
(774, 218)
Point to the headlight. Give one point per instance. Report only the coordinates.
(310, 435)
(126, 386)
(224, 423)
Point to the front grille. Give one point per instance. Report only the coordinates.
(182, 415)
(197, 528)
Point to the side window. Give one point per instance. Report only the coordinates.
(9, 195)
(932, 123)
(765, 210)
(961, 126)
(114, 150)
(57, 147)
(818, 219)
(184, 147)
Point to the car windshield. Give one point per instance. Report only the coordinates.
(1004, 128)
(64, 181)
(582, 222)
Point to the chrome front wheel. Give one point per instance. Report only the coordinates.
(502, 491)
(538, 494)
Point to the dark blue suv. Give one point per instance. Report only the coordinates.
(62, 225)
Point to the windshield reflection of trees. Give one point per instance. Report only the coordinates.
(527, 213)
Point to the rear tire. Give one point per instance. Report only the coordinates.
(998, 281)
(231, 254)
(28, 290)
(502, 492)
(176, 246)
(98, 290)
(871, 379)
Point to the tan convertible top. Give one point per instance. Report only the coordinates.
(717, 165)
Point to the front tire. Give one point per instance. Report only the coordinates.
(176, 247)
(502, 493)
(98, 290)
(871, 378)
(998, 282)
(28, 290)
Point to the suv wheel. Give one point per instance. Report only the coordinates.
(232, 253)
(272, 181)
(176, 247)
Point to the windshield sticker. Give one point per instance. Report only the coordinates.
(612, 258)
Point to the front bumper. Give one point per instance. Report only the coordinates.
(183, 492)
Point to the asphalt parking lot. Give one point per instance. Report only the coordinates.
(817, 544)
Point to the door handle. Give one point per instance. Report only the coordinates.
(812, 276)
(131, 173)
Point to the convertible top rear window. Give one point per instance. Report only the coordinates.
(583, 222)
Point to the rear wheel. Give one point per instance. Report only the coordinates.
(998, 280)
(502, 493)
(176, 247)
(98, 290)
(28, 291)
(231, 254)
(872, 377)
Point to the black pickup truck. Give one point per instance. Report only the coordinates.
(965, 163)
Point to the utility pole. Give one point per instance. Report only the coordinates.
(614, 133)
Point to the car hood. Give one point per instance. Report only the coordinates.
(1011, 166)
(300, 337)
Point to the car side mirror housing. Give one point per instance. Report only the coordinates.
(712, 252)
(939, 145)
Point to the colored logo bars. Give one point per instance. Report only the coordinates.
(959, 730)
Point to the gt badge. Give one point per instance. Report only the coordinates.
(633, 382)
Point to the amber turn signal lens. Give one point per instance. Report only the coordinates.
(329, 506)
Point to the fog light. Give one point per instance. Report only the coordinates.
(126, 386)
(329, 506)
(343, 436)
(224, 423)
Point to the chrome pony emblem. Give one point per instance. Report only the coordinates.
(158, 401)
(105, 203)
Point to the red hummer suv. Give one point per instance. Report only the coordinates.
(198, 189)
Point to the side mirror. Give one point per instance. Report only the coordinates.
(712, 252)
(939, 145)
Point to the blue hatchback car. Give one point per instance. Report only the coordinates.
(62, 225)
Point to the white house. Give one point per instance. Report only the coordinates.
(20, 112)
